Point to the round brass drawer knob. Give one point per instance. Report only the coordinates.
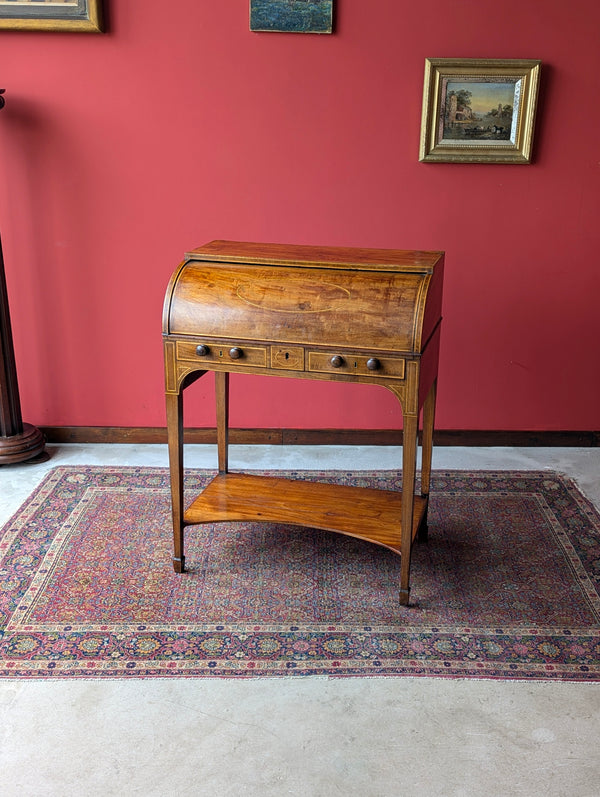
(337, 361)
(202, 350)
(373, 364)
(235, 353)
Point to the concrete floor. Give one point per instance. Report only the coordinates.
(311, 736)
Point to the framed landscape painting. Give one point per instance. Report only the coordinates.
(478, 111)
(292, 16)
(60, 15)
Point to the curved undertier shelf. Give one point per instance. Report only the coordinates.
(367, 513)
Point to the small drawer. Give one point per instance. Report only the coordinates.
(356, 364)
(230, 353)
(289, 358)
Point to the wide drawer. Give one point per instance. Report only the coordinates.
(356, 364)
(229, 353)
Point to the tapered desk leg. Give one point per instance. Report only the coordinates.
(427, 452)
(222, 399)
(175, 438)
(409, 459)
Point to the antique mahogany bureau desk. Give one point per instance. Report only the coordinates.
(349, 315)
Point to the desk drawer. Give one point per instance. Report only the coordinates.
(356, 364)
(230, 353)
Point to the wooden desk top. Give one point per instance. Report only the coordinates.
(318, 256)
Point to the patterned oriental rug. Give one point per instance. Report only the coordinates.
(507, 586)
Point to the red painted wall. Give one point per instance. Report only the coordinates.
(120, 151)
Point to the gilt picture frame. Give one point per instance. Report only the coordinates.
(479, 110)
(59, 15)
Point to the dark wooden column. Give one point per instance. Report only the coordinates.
(18, 441)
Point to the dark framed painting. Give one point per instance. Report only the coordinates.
(60, 15)
(478, 110)
(292, 16)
